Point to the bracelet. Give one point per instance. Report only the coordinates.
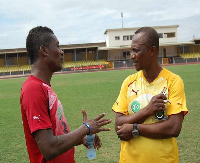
(88, 126)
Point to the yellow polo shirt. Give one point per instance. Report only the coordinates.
(135, 94)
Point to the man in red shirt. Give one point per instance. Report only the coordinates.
(47, 133)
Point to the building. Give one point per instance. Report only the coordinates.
(116, 49)
(118, 42)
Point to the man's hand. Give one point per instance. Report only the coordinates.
(124, 132)
(156, 104)
(97, 142)
(97, 123)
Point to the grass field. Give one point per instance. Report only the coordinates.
(95, 92)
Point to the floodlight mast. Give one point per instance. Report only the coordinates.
(122, 18)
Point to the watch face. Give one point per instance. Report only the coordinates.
(135, 133)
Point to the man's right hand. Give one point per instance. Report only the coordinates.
(156, 104)
(97, 123)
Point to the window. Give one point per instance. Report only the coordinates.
(124, 38)
(184, 49)
(117, 38)
(126, 54)
(168, 35)
(160, 35)
(128, 37)
(171, 34)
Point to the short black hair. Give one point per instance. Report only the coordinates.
(151, 35)
(37, 36)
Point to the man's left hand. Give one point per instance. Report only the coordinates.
(124, 132)
(97, 142)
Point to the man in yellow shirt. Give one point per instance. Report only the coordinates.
(150, 107)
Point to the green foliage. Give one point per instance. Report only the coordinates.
(95, 92)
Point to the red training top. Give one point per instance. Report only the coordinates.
(41, 109)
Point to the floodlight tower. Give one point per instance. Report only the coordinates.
(122, 18)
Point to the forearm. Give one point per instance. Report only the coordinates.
(55, 145)
(68, 141)
(155, 131)
(138, 117)
(162, 129)
(51, 146)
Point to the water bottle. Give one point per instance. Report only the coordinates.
(91, 153)
(162, 115)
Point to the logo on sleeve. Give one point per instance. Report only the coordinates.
(59, 113)
(135, 106)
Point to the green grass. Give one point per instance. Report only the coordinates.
(95, 92)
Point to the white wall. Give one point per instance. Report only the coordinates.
(110, 38)
(168, 30)
(111, 42)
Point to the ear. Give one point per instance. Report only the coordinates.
(44, 50)
(153, 51)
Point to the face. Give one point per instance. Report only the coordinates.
(140, 52)
(55, 55)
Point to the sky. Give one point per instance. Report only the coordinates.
(85, 21)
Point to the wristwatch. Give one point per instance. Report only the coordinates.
(135, 131)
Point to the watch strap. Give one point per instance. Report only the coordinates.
(135, 126)
(135, 131)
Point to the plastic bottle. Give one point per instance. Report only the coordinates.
(162, 115)
(91, 153)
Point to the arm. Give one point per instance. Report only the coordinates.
(138, 117)
(163, 129)
(156, 104)
(124, 124)
(172, 126)
(52, 146)
(160, 130)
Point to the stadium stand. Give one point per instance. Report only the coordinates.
(190, 55)
(68, 66)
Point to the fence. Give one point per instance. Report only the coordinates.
(93, 65)
(162, 61)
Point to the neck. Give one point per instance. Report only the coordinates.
(152, 73)
(39, 71)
